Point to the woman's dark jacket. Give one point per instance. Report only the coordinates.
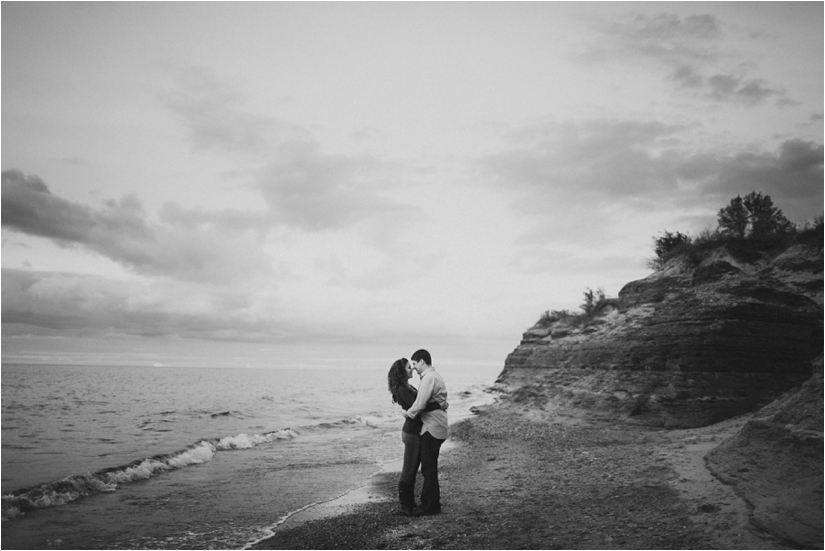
(406, 398)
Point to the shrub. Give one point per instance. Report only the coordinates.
(593, 306)
(593, 302)
(811, 233)
(548, 317)
(666, 246)
(562, 314)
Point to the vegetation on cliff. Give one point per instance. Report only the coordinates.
(747, 228)
(595, 305)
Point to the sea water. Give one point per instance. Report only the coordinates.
(161, 457)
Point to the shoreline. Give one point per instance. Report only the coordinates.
(375, 490)
(509, 482)
(337, 506)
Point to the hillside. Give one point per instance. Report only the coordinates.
(697, 342)
(690, 345)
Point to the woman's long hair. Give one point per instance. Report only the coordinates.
(397, 378)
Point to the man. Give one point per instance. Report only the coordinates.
(434, 431)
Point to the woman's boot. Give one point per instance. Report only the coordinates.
(406, 495)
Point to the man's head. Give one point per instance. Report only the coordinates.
(421, 360)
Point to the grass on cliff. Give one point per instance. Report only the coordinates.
(748, 248)
(594, 306)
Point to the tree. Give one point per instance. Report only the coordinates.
(753, 216)
(734, 218)
(764, 217)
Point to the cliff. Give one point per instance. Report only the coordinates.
(708, 337)
(775, 465)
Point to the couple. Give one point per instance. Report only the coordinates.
(425, 429)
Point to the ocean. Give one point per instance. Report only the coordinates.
(118, 457)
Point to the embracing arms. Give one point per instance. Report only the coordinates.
(425, 395)
(406, 398)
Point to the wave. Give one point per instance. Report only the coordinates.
(63, 491)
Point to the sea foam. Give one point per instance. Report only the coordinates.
(107, 480)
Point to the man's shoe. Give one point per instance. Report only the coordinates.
(419, 512)
(407, 511)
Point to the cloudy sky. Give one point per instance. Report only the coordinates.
(254, 183)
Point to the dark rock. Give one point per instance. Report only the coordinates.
(782, 448)
(692, 344)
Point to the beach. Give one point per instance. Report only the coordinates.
(513, 480)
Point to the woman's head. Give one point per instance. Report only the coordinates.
(398, 375)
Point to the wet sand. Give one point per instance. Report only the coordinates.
(511, 480)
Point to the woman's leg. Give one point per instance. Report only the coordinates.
(412, 459)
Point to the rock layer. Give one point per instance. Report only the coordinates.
(690, 345)
(775, 465)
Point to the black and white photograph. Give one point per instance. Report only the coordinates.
(412, 274)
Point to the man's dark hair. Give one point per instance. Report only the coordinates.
(422, 355)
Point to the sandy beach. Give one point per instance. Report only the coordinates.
(512, 480)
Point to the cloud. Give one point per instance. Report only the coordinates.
(54, 303)
(229, 220)
(312, 190)
(669, 35)
(584, 161)
(792, 175)
(728, 88)
(29, 207)
(576, 169)
(732, 88)
(119, 230)
(688, 77)
(304, 187)
(689, 50)
(211, 112)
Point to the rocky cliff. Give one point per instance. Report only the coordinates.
(707, 337)
(775, 465)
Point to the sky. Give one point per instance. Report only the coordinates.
(275, 183)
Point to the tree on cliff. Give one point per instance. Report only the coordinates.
(753, 216)
(746, 224)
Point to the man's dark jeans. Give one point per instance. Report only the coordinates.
(431, 493)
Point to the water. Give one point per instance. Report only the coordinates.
(135, 458)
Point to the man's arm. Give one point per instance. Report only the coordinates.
(425, 391)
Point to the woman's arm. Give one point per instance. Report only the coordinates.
(432, 406)
(406, 397)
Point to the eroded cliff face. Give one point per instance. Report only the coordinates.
(775, 464)
(690, 345)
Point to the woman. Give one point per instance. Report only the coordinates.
(404, 394)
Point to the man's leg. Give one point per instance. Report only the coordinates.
(431, 493)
